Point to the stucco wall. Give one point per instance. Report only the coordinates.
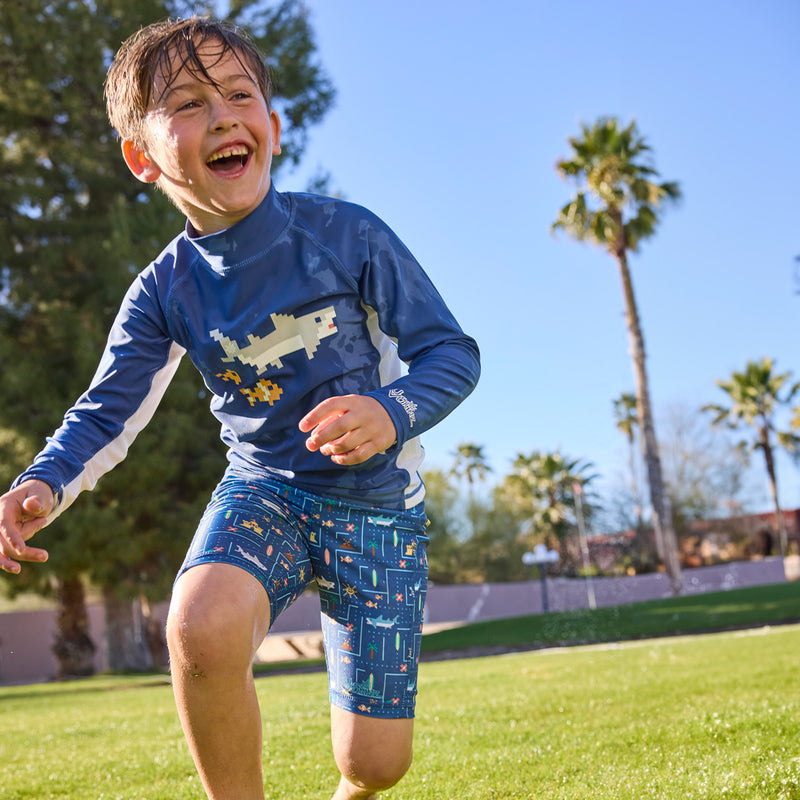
(26, 638)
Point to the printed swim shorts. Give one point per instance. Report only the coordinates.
(370, 566)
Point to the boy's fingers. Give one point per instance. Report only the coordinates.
(32, 554)
(358, 455)
(332, 407)
(321, 423)
(338, 436)
(39, 503)
(11, 553)
(349, 429)
(13, 538)
(24, 512)
(7, 565)
(36, 554)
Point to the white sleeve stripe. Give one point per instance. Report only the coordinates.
(115, 451)
(411, 454)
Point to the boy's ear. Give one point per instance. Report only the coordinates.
(275, 124)
(139, 164)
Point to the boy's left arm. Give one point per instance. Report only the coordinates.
(443, 362)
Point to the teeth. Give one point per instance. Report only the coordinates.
(228, 153)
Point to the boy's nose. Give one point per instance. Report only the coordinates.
(222, 117)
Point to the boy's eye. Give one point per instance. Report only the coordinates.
(189, 104)
(241, 95)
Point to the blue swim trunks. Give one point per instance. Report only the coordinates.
(370, 566)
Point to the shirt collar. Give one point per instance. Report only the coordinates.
(248, 238)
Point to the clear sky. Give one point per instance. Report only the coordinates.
(449, 119)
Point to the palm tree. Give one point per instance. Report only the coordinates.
(616, 208)
(754, 395)
(546, 485)
(470, 463)
(626, 418)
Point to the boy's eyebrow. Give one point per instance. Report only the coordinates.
(190, 84)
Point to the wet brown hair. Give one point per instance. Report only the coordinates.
(163, 49)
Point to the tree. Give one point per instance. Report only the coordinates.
(445, 553)
(616, 208)
(76, 227)
(545, 485)
(626, 418)
(495, 549)
(492, 551)
(754, 397)
(470, 463)
(705, 472)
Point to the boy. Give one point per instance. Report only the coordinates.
(298, 311)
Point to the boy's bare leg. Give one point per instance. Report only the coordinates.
(218, 617)
(372, 754)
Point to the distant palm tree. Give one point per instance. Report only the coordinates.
(616, 208)
(546, 484)
(754, 396)
(470, 463)
(627, 420)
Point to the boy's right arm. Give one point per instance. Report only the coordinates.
(23, 511)
(135, 369)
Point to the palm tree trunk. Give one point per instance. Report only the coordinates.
(666, 541)
(773, 488)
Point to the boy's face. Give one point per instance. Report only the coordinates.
(209, 146)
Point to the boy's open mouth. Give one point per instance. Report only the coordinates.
(229, 159)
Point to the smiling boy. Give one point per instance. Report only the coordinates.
(300, 312)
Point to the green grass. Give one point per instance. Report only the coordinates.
(704, 717)
(714, 716)
(758, 605)
(701, 717)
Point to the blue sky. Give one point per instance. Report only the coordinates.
(449, 119)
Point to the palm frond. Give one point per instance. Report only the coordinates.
(612, 163)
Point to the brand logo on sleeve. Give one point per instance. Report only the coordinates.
(409, 406)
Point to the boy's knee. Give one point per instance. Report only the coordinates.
(199, 641)
(212, 632)
(371, 753)
(374, 773)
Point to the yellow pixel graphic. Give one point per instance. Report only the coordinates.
(253, 525)
(264, 391)
(229, 375)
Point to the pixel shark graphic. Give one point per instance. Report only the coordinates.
(291, 334)
(381, 622)
(249, 557)
(323, 584)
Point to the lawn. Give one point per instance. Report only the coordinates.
(707, 716)
(755, 605)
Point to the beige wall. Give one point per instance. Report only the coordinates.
(26, 637)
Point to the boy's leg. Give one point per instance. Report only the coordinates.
(371, 567)
(372, 753)
(218, 617)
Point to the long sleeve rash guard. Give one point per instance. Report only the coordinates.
(306, 298)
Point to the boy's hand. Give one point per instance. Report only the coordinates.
(22, 512)
(350, 428)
